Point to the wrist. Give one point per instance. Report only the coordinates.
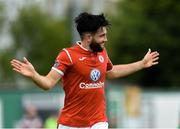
(34, 75)
(142, 64)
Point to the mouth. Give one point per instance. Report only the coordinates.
(102, 44)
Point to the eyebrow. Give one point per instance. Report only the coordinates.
(102, 34)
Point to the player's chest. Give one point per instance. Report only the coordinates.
(86, 64)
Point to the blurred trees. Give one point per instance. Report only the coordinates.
(39, 37)
(136, 26)
(140, 24)
(1, 15)
(3, 55)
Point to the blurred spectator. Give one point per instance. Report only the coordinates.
(30, 119)
(51, 122)
(133, 107)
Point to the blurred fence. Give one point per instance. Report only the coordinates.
(12, 103)
(127, 106)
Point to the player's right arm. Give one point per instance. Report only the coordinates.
(26, 69)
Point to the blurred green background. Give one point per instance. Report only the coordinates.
(39, 29)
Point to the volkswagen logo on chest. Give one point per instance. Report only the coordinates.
(95, 75)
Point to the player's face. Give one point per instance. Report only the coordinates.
(99, 39)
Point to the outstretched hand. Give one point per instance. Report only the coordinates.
(150, 59)
(23, 67)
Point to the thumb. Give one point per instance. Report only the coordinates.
(25, 60)
(149, 51)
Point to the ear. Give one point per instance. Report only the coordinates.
(88, 37)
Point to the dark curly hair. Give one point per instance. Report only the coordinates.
(86, 22)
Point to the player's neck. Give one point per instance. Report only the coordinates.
(86, 45)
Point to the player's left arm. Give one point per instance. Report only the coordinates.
(150, 59)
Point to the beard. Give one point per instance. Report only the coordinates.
(96, 47)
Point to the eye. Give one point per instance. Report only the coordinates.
(103, 35)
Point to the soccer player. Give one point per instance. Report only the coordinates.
(83, 69)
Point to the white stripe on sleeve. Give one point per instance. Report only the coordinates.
(59, 71)
(68, 55)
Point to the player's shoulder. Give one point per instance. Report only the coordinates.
(72, 48)
(104, 51)
(63, 50)
(68, 52)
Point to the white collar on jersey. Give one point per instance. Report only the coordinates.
(79, 43)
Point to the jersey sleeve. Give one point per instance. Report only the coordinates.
(109, 64)
(62, 62)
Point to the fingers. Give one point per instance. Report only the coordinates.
(154, 54)
(155, 59)
(155, 63)
(152, 57)
(16, 64)
(17, 70)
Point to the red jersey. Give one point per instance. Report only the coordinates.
(83, 76)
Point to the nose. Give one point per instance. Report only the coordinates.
(105, 39)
